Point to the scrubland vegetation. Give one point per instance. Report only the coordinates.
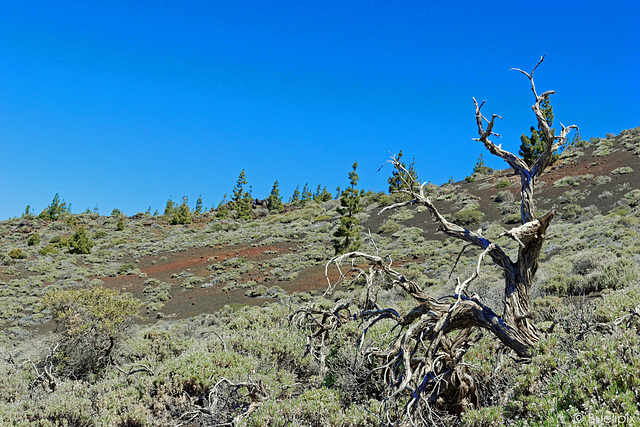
(77, 351)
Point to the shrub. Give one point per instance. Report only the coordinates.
(593, 275)
(71, 221)
(632, 198)
(34, 239)
(80, 242)
(17, 254)
(127, 268)
(382, 199)
(601, 180)
(48, 250)
(504, 183)
(618, 303)
(572, 181)
(389, 227)
(620, 210)
(514, 218)
(93, 322)
(100, 234)
(468, 216)
(504, 196)
(120, 226)
(572, 211)
(622, 170)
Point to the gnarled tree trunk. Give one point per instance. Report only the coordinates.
(422, 364)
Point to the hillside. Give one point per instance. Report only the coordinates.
(219, 299)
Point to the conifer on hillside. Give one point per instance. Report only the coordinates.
(533, 146)
(347, 236)
(241, 199)
(274, 201)
(402, 178)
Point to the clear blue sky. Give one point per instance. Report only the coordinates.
(123, 104)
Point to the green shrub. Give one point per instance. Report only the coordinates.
(468, 216)
(80, 242)
(504, 183)
(616, 304)
(632, 198)
(622, 170)
(48, 250)
(592, 276)
(34, 239)
(573, 374)
(573, 181)
(389, 227)
(120, 226)
(504, 196)
(17, 253)
(100, 234)
(382, 199)
(601, 180)
(71, 221)
(93, 321)
(572, 211)
(258, 291)
(620, 211)
(127, 268)
(488, 416)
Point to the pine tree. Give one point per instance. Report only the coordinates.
(577, 139)
(306, 195)
(170, 208)
(480, 167)
(295, 197)
(347, 236)
(183, 213)
(28, 212)
(274, 201)
(223, 208)
(55, 209)
(402, 179)
(322, 195)
(241, 199)
(531, 148)
(198, 209)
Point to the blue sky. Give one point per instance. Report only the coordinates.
(123, 104)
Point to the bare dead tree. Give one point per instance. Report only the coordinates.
(423, 365)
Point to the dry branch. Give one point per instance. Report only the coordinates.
(422, 364)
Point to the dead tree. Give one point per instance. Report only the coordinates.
(422, 365)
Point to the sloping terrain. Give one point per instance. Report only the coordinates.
(283, 253)
(195, 277)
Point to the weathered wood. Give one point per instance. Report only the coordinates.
(436, 370)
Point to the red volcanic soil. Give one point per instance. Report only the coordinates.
(186, 303)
